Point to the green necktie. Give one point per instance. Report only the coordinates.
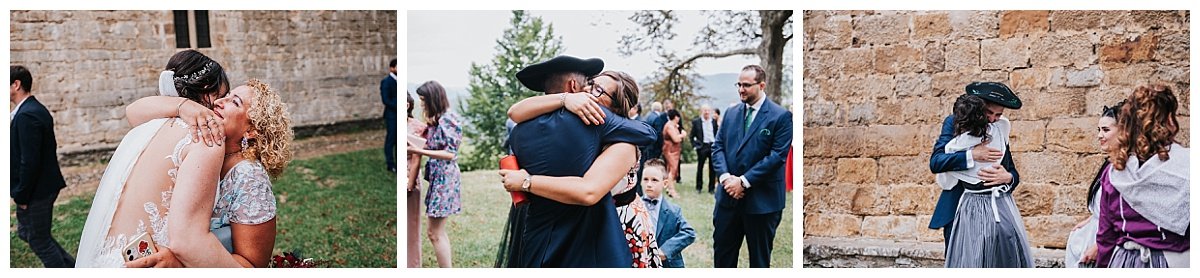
(749, 117)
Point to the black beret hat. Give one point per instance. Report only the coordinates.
(995, 92)
(534, 76)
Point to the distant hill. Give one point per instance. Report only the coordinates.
(720, 87)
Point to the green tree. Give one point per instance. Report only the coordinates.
(494, 87)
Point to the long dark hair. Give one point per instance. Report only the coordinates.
(970, 116)
(410, 103)
(1107, 112)
(435, 102)
(197, 77)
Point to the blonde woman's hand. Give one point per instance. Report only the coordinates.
(205, 124)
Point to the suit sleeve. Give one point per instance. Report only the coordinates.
(1011, 167)
(939, 160)
(30, 136)
(385, 87)
(697, 129)
(719, 163)
(685, 237)
(621, 130)
(759, 172)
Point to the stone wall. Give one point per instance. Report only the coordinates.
(877, 85)
(88, 65)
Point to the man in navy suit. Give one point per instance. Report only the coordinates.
(749, 155)
(998, 97)
(560, 144)
(387, 92)
(35, 177)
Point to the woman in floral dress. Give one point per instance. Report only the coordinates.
(443, 136)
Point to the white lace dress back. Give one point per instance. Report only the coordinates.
(131, 198)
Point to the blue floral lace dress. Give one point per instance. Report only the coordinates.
(244, 196)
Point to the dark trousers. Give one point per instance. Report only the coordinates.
(703, 154)
(33, 227)
(731, 227)
(389, 144)
(949, 228)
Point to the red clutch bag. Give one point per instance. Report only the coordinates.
(510, 163)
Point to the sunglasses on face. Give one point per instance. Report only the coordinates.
(746, 85)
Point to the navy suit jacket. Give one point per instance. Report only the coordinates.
(674, 233)
(387, 93)
(940, 162)
(562, 235)
(757, 153)
(33, 157)
(654, 150)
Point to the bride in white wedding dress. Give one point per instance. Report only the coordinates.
(203, 204)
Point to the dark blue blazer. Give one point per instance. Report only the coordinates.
(654, 150)
(673, 232)
(562, 235)
(387, 93)
(940, 162)
(33, 157)
(757, 153)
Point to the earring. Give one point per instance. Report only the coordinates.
(245, 143)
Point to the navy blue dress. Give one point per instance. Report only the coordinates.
(562, 235)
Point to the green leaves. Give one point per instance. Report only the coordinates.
(494, 87)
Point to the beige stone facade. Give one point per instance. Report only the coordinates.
(877, 85)
(88, 65)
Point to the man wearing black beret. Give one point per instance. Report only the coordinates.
(998, 98)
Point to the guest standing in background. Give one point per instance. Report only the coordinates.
(444, 135)
(33, 164)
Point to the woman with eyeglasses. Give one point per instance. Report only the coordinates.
(619, 92)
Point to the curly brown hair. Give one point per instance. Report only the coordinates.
(1147, 124)
(269, 118)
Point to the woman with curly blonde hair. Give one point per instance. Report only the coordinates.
(1144, 216)
(235, 230)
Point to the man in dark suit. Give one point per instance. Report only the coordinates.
(749, 154)
(387, 92)
(704, 134)
(33, 165)
(558, 234)
(998, 97)
(656, 119)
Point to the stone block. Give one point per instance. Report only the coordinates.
(857, 170)
(1124, 49)
(974, 25)
(827, 31)
(832, 225)
(1063, 51)
(1072, 135)
(894, 59)
(870, 200)
(904, 169)
(915, 199)
(1027, 136)
(834, 198)
(1032, 23)
(1054, 103)
(962, 55)
(914, 84)
(1087, 77)
(819, 171)
(931, 26)
(1035, 199)
(881, 29)
(1049, 231)
(1004, 54)
(891, 227)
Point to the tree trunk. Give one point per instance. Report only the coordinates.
(770, 51)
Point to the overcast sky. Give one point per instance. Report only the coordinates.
(443, 44)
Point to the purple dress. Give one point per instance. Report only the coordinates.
(443, 198)
(1120, 223)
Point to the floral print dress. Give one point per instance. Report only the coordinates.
(443, 198)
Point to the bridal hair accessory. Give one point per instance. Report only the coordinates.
(192, 78)
(166, 84)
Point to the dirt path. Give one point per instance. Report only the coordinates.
(82, 180)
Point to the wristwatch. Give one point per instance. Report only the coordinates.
(526, 183)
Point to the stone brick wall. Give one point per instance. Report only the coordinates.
(877, 85)
(88, 65)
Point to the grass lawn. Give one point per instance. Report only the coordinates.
(340, 208)
(475, 233)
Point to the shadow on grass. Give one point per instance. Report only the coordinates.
(340, 208)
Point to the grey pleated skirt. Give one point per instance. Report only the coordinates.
(979, 240)
(1133, 255)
